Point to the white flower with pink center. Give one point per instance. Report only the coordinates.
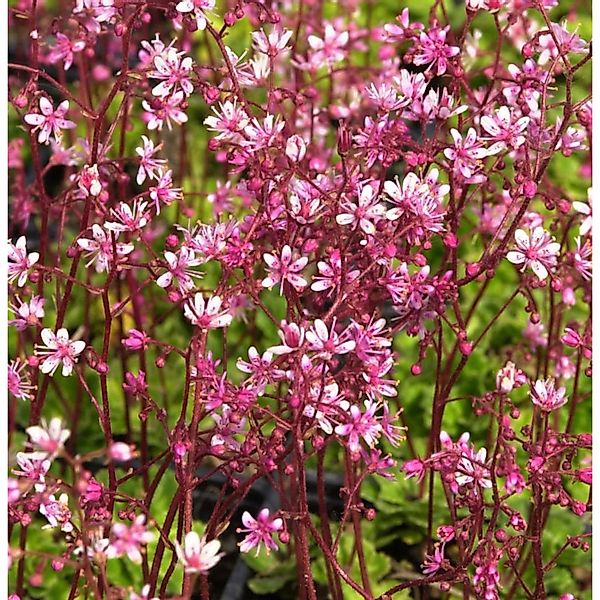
(197, 9)
(20, 262)
(28, 313)
(259, 531)
(535, 250)
(365, 213)
(57, 513)
(48, 438)
(228, 122)
(58, 349)
(175, 73)
(359, 425)
(284, 268)
(181, 267)
(99, 248)
(198, 555)
(545, 394)
(472, 469)
(326, 341)
(207, 314)
(149, 167)
(49, 121)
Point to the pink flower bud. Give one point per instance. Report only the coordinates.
(536, 463)
(120, 451)
(568, 296)
(585, 475)
(211, 94)
(136, 340)
(450, 240)
(57, 565)
(529, 189)
(571, 338)
(472, 269)
(465, 347)
(284, 537)
(295, 148)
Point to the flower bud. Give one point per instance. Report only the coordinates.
(295, 149)
(120, 451)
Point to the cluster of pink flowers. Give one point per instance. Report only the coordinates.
(249, 255)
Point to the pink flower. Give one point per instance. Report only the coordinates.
(28, 313)
(260, 368)
(48, 438)
(207, 315)
(129, 540)
(546, 396)
(198, 555)
(568, 43)
(260, 531)
(331, 274)
(433, 563)
(57, 512)
(229, 122)
(34, 466)
(414, 468)
(467, 154)
(161, 110)
(326, 342)
(325, 404)
(89, 182)
(329, 49)
(164, 192)
(196, 8)
(181, 267)
(64, 50)
(536, 251)
(94, 13)
(366, 213)
(361, 425)
(581, 258)
(20, 262)
(128, 218)
(509, 377)
(433, 50)
(262, 134)
(136, 340)
(99, 248)
(505, 129)
(472, 469)
(18, 382)
(120, 451)
(174, 72)
(295, 148)
(149, 167)
(14, 490)
(291, 335)
(515, 482)
(284, 269)
(272, 44)
(48, 121)
(57, 349)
